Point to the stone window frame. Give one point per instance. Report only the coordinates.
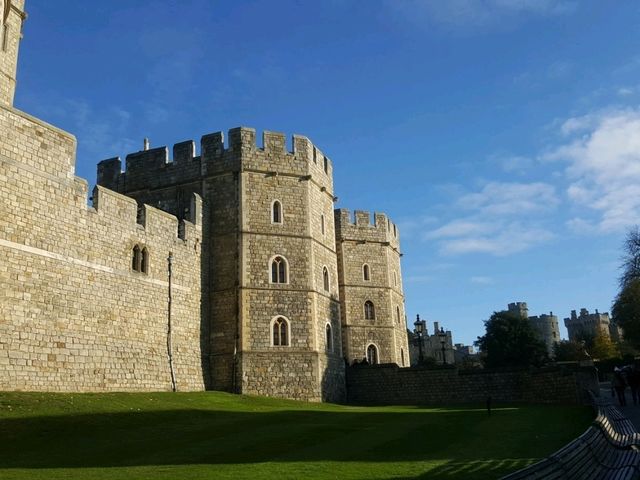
(395, 278)
(322, 226)
(326, 164)
(377, 353)
(281, 212)
(398, 314)
(326, 279)
(272, 323)
(369, 312)
(140, 259)
(366, 272)
(286, 270)
(402, 357)
(328, 337)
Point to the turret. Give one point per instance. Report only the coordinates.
(11, 18)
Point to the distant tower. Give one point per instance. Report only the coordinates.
(373, 318)
(519, 308)
(547, 328)
(11, 18)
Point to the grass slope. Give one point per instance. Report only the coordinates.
(216, 435)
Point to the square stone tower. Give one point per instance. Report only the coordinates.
(11, 18)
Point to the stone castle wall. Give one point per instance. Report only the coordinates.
(376, 245)
(74, 316)
(239, 182)
(10, 33)
(391, 385)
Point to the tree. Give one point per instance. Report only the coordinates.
(603, 347)
(626, 311)
(511, 340)
(569, 351)
(631, 259)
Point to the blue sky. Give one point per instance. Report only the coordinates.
(503, 136)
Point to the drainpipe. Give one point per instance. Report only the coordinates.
(169, 332)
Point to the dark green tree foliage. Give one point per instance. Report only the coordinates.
(510, 341)
(567, 351)
(626, 312)
(631, 258)
(626, 306)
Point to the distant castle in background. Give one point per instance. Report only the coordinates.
(545, 325)
(589, 325)
(438, 346)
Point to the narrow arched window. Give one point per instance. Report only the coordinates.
(280, 332)
(322, 224)
(372, 354)
(397, 314)
(326, 165)
(366, 272)
(144, 261)
(136, 259)
(402, 357)
(395, 278)
(369, 310)
(325, 278)
(279, 270)
(276, 212)
(328, 338)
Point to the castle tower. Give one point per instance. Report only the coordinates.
(11, 18)
(270, 275)
(548, 330)
(373, 313)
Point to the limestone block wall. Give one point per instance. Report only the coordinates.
(375, 245)
(303, 189)
(74, 315)
(391, 385)
(239, 181)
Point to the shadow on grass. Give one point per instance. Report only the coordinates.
(469, 441)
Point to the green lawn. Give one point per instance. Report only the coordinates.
(220, 436)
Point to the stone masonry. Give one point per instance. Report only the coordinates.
(369, 270)
(87, 295)
(74, 315)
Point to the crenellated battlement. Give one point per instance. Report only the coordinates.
(125, 211)
(154, 167)
(360, 227)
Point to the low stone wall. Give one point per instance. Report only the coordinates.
(392, 385)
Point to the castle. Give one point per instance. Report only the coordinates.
(227, 269)
(545, 325)
(588, 325)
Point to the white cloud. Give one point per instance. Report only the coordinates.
(602, 153)
(480, 280)
(515, 163)
(502, 198)
(505, 238)
(502, 218)
(479, 13)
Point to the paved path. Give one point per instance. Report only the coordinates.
(631, 411)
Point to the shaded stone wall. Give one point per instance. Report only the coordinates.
(74, 315)
(391, 385)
